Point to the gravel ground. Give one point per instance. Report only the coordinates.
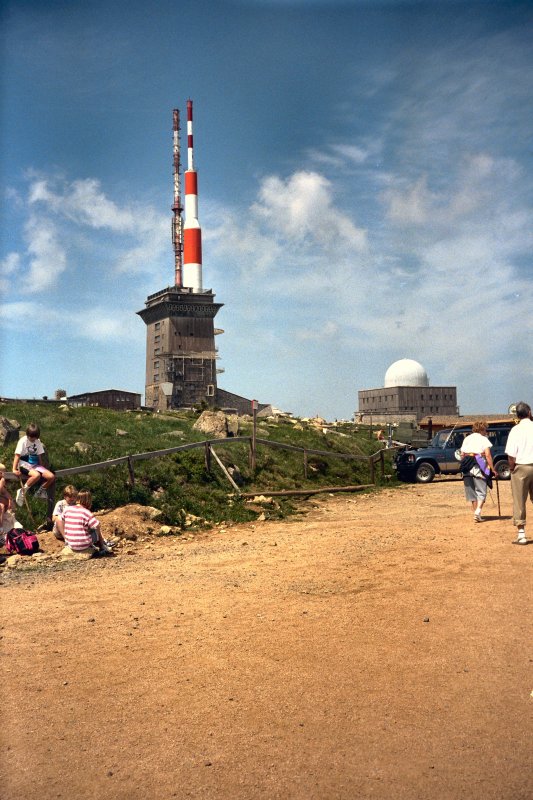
(378, 646)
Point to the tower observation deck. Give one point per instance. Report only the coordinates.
(180, 348)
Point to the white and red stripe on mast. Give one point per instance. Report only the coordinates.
(192, 233)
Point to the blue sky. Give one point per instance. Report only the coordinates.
(365, 192)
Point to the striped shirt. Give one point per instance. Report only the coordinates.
(78, 522)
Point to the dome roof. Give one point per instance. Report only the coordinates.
(406, 372)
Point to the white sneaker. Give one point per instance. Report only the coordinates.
(521, 536)
(41, 493)
(477, 517)
(19, 497)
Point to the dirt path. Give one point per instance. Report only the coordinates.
(379, 647)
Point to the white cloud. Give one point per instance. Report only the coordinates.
(96, 324)
(12, 313)
(46, 256)
(301, 209)
(327, 330)
(351, 152)
(152, 233)
(340, 156)
(410, 206)
(83, 201)
(10, 263)
(78, 218)
(293, 242)
(101, 325)
(8, 266)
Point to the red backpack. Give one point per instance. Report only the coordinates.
(24, 543)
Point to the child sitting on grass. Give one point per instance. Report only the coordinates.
(81, 530)
(70, 495)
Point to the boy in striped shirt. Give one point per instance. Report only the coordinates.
(81, 529)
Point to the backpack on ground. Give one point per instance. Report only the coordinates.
(21, 542)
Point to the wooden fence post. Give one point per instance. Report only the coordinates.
(305, 464)
(225, 471)
(208, 456)
(382, 462)
(51, 502)
(131, 472)
(372, 470)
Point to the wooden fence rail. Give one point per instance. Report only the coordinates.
(309, 451)
(207, 445)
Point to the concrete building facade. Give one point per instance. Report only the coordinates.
(117, 399)
(406, 396)
(181, 355)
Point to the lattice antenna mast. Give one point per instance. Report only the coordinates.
(177, 208)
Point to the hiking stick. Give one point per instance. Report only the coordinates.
(498, 496)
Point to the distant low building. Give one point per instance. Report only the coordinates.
(406, 396)
(229, 401)
(116, 399)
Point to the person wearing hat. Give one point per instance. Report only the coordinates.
(6, 503)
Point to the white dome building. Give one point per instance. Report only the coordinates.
(406, 396)
(406, 372)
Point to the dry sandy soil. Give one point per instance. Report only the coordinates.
(378, 646)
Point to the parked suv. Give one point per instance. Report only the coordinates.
(421, 464)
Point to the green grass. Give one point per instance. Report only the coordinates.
(180, 484)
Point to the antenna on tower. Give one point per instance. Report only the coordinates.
(177, 208)
(192, 233)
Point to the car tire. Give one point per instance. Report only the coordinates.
(502, 469)
(424, 473)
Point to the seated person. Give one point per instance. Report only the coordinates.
(6, 503)
(80, 529)
(70, 495)
(27, 463)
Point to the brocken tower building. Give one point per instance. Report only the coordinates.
(180, 334)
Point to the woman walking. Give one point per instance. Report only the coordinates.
(477, 467)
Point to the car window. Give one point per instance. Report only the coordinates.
(493, 437)
(449, 439)
(456, 439)
(503, 433)
(440, 438)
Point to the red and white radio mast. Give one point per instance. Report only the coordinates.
(192, 233)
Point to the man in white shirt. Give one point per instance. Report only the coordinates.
(519, 449)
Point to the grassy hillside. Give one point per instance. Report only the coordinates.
(180, 484)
